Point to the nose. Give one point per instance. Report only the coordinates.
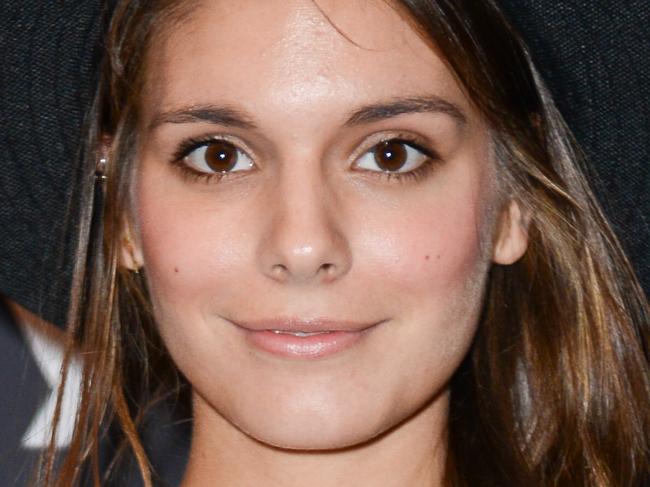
(303, 242)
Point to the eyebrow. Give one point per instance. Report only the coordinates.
(215, 114)
(376, 112)
(400, 106)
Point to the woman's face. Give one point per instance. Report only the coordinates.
(299, 174)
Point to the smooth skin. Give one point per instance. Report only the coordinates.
(307, 225)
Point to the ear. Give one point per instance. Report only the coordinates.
(130, 248)
(512, 234)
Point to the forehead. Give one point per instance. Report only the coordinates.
(285, 56)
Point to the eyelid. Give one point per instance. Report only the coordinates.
(416, 141)
(377, 138)
(190, 144)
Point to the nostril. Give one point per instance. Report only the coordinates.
(293, 254)
(328, 269)
(279, 271)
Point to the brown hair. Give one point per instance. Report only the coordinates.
(555, 389)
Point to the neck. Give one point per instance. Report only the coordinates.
(223, 455)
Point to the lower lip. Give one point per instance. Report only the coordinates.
(314, 346)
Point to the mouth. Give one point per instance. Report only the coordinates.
(304, 339)
(301, 334)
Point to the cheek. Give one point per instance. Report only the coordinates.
(189, 246)
(436, 249)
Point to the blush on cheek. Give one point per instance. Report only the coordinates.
(170, 245)
(182, 259)
(182, 238)
(437, 253)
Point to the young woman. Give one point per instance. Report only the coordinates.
(361, 233)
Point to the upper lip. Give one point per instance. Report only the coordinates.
(310, 325)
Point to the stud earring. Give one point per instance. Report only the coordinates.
(100, 168)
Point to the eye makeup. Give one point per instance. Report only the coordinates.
(390, 148)
(399, 145)
(181, 155)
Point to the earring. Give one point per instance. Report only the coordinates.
(100, 168)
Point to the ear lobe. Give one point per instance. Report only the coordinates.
(512, 235)
(130, 251)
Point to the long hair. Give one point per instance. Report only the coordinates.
(555, 389)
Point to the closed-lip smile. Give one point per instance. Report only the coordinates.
(304, 338)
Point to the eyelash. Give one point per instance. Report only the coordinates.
(185, 149)
(417, 174)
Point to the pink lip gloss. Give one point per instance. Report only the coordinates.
(304, 345)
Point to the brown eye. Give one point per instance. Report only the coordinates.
(218, 156)
(393, 156)
(390, 155)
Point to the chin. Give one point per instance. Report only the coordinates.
(323, 437)
(313, 429)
